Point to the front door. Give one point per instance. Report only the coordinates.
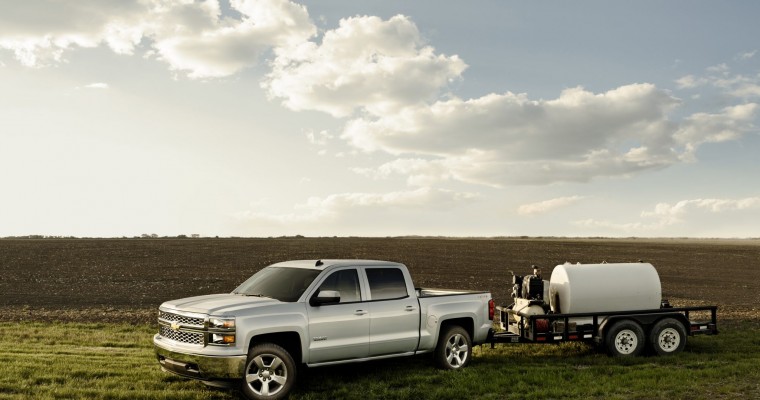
(339, 331)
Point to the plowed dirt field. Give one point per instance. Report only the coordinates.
(126, 279)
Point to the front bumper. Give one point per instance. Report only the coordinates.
(197, 366)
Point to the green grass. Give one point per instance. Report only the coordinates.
(115, 361)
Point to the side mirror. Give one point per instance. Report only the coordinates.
(325, 297)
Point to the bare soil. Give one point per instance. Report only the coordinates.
(125, 280)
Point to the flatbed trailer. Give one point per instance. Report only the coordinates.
(601, 327)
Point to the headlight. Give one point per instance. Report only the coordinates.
(221, 323)
(222, 330)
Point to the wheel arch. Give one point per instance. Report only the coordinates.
(467, 323)
(290, 341)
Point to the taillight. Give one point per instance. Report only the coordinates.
(491, 308)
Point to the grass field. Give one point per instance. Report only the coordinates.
(115, 361)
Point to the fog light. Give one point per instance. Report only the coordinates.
(222, 339)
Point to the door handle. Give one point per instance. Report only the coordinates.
(360, 312)
(410, 308)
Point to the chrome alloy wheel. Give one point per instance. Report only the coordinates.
(457, 350)
(266, 374)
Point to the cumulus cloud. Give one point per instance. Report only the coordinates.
(511, 139)
(391, 83)
(729, 124)
(38, 35)
(226, 45)
(192, 37)
(368, 63)
(333, 206)
(665, 214)
(543, 207)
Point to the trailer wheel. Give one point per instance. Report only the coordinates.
(668, 336)
(269, 372)
(625, 339)
(454, 348)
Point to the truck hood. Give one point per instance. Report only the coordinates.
(217, 304)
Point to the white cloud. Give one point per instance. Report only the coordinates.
(96, 85)
(665, 215)
(628, 228)
(379, 66)
(320, 138)
(419, 172)
(730, 124)
(227, 45)
(720, 77)
(746, 55)
(543, 207)
(510, 139)
(336, 205)
(384, 74)
(38, 33)
(689, 81)
(676, 211)
(192, 37)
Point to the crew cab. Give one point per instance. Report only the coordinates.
(317, 313)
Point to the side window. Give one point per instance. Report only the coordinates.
(346, 282)
(386, 283)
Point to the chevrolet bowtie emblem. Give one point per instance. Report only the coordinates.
(175, 326)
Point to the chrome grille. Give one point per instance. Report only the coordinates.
(181, 336)
(181, 319)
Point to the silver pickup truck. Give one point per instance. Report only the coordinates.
(317, 312)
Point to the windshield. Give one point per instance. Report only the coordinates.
(284, 284)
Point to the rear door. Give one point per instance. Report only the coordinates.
(394, 313)
(339, 331)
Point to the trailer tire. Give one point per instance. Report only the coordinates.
(668, 336)
(454, 350)
(270, 372)
(625, 338)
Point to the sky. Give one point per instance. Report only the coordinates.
(380, 118)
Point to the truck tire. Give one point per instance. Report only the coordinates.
(668, 336)
(625, 338)
(270, 372)
(454, 349)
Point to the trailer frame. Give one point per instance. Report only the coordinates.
(538, 328)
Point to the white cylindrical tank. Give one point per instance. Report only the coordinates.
(586, 288)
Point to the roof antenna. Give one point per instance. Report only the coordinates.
(318, 263)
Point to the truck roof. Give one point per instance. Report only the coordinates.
(322, 264)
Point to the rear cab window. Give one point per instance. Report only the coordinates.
(386, 283)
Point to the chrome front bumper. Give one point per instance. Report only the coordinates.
(196, 366)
